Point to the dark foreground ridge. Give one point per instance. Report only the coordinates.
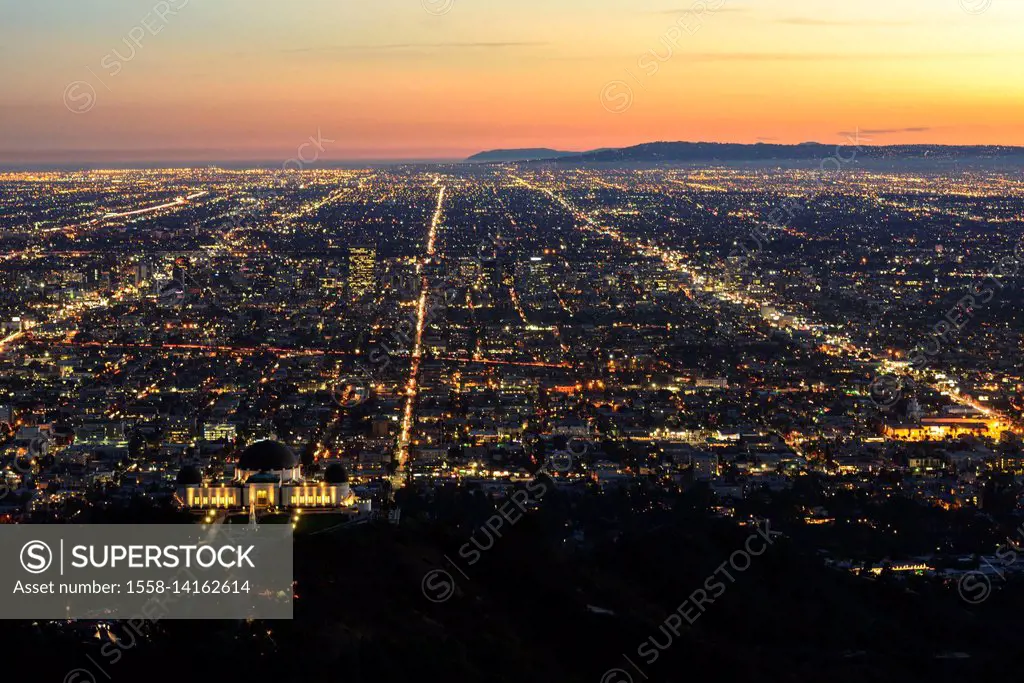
(537, 607)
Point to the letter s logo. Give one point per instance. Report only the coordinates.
(36, 557)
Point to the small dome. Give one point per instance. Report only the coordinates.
(189, 475)
(264, 456)
(335, 474)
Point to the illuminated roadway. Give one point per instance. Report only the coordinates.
(180, 201)
(248, 350)
(9, 339)
(412, 386)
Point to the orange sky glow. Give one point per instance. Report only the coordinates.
(198, 80)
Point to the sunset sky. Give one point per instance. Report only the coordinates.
(254, 79)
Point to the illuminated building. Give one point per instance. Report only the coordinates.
(362, 268)
(219, 432)
(539, 271)
(179, 430)
(267, 476)
(932, 428)
(102, 433)
(143, 273)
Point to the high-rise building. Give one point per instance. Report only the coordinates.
(538, 270)
(495, 271)
(143, 272)
(362, 270)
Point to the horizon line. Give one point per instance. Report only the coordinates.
(154, 163)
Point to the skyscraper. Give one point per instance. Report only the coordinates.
(362, 267)
(538, 269)
(143, 272)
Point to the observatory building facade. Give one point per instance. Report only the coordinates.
(267, 475)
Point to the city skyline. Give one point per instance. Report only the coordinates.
(184, 82)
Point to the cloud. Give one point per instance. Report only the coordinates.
(415, 46)
(887, 131)
(696, 9)
(858, 23)
(833, 56)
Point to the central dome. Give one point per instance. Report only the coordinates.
(264, 456)
(335, 474)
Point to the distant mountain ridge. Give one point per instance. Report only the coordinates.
(682, 152)
(534, 154)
